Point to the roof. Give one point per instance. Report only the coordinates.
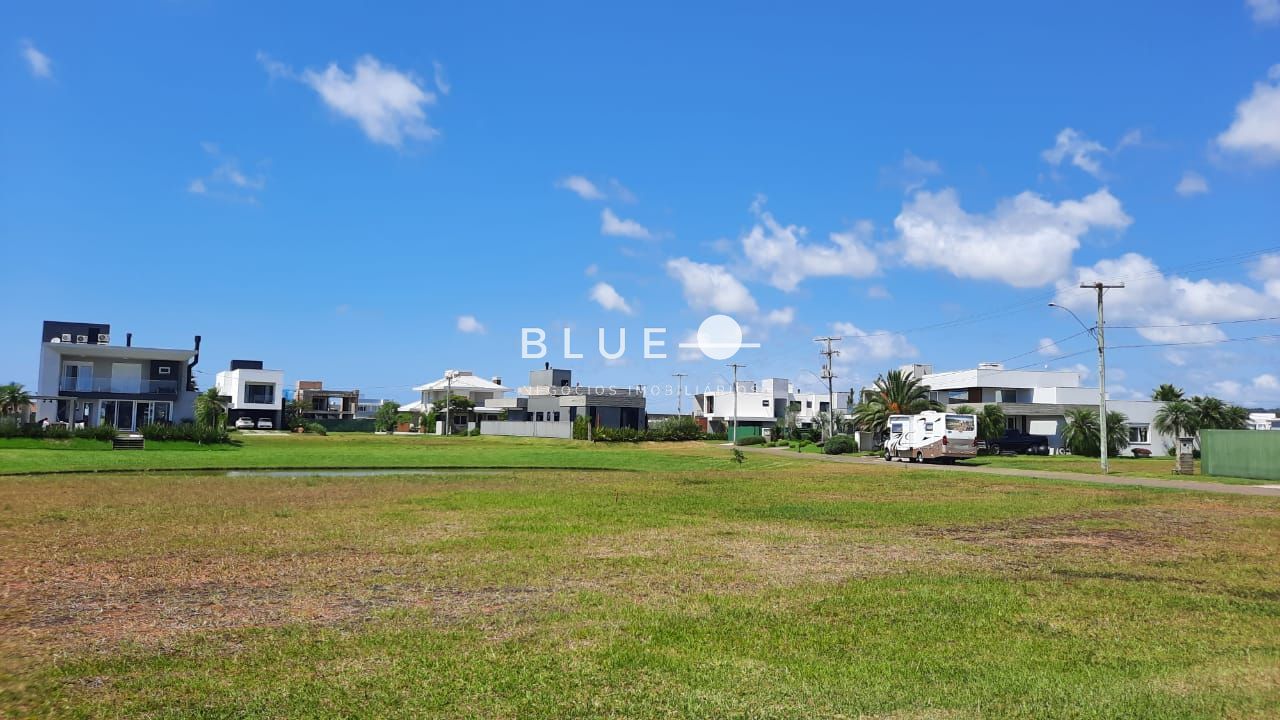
(123, 352)
(415, 406)
(462, 382)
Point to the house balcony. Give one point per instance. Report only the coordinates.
(124, 386)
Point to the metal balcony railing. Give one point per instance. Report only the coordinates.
(130, 386)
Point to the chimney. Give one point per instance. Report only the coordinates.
(546, 366)
(128, 339)
(497, 380)
(191, 366)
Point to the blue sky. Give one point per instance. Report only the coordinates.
(336, 189)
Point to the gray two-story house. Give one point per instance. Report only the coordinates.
(86, 381)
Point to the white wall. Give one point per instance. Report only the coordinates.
(521, 428)
(232, 382)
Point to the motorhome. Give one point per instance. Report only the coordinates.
(932, 435)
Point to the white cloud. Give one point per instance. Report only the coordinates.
(1027, 241)
(584, 188)
(778, 250)
(711, 287)
(469, 324)
(1132, 138)
(879, 292)
(1049, 348)
(1152, 298)
(1229, 389)
(1080, 150)
(1267, 269)
(1264, 11)
(226, 180)
(1192, 183)
(780, 317)
(1256, 128)
(442, 80)
(606, 297)
(1266, 382)
(911, 174)
(388, 105)
(875, 345)
(613, 225)
(37, 62)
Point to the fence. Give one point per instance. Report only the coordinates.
(527, 428)
(1240, 453)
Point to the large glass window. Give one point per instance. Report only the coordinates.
(259, 393)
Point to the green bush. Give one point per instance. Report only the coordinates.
(184, 432)
(474, 432)
(581, 429)
(676, 429)
(316, 428)
(607, 434)
(717, 435)
(839, 445)
(104, 432)
(57, 432)
(750, 440)
(332, 425)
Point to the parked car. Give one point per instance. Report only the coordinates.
(244, 423)
(1017, 441)
(265, 424)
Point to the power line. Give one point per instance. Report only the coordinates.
(1199, 324)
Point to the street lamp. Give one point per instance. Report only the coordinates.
(1097, 333)
(449, 375)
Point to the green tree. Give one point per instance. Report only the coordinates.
(385, 418)
(1214, 414)
(1166, 393)
(1080, 433)
(209, 408)
(1176, 419)
(894, 393)
(14, 400)
(294, 413)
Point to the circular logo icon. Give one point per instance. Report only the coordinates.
(719, 337)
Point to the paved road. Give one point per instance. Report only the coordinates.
(1211, 487)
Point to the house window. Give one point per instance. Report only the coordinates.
(163, 370)
(764, 403)
(1138, 433)
(957, 396)
(259, 394)
(711, 404)
(557, 417)
(824, 406)
(808, 403)
(537, 417)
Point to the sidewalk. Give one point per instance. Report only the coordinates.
(1196, 485)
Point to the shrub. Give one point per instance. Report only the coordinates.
(103, 432)
(580, 428)
(676, 429)
(749, 440)
(607, 434)
(316, 428)
(839, 445)
(474, 432)
(9, 428)
(184, 432)
(57, 432)
(722, 435)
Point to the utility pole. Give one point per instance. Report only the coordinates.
(1102, 371)
(679, 389)
(828, 374)
(448, 402)
(735, 367)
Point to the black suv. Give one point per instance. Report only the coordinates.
(1017, 441)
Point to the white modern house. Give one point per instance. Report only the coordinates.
(252, 391)
(1036, 401)
(85, 380)
(1264, 421)
(761, 405)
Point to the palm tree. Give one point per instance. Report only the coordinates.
(1166, 393)
(1081, 432)
(1176, 419)
(209, 408)
(14, 400)
(1213, 414)
(895, 393)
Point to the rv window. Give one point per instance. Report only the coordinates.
(928, 426)
(961, 423)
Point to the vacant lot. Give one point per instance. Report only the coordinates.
(781, 588)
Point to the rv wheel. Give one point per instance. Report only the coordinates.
(919, 456)
(888, 456)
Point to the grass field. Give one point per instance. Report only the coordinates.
(1155, 467)
(350, 450)
(697, 588)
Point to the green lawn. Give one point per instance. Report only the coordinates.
(1155, 467)
(697, 588)
(284, 450)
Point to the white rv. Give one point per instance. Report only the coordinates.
(932, 435)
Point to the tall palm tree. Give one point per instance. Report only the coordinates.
(1176, 419)
(894, 393)
(14, 400)
(1166, 393)
(1212, 414)
(1081, 432)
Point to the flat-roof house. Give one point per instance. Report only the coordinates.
(761, 405)
(551, 402)
(252, 391)
(1037, 401)
(84, 380)
(321, 403)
